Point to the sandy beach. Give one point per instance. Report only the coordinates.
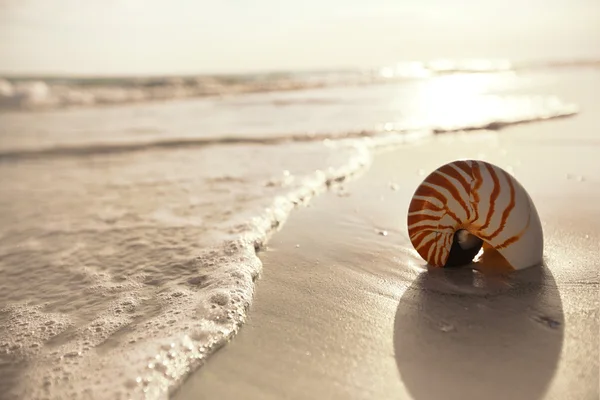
(345, 309)
(209, 200)
(145, 242)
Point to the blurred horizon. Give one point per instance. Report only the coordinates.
(185, 37)
(376, 72)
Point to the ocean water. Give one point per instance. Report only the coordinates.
(51, 92)
(129, 234)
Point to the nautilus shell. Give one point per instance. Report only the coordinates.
(465, 205)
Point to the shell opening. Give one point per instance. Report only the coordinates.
(465, 247)
(466, 240)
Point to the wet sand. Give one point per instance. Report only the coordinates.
(346, 309)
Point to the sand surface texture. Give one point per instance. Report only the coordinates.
(345, 309)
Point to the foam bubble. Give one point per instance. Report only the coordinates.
(136, 297)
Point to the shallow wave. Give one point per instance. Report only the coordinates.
(122, 147)
(120, 286)
(174, 143)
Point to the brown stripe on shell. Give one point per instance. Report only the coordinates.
(420, 204)
(426, 244)
(442, 250)
(435, 227)
(432, 249)
(424, 239)
(440, 180)
(475, 191)
(415, 218)
(431, 228)
(452, 172)
(456, 167)
(516, 237)
(438, 253)
(493, 196)
(507, 210)
(424, 249)
(447, 245)
(421, 241)
(464, 166)
(418, 235)
(428, 191)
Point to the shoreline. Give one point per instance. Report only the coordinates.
(350, 350)
(353, 270)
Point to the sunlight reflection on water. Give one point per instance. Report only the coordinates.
(457, 101)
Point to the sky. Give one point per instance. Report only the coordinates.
(146, 37)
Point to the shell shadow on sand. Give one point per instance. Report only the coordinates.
(460, 334)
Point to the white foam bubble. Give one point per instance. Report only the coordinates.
(143, 297)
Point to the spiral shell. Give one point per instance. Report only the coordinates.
(467, 204)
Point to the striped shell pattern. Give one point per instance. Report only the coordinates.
(467, 204)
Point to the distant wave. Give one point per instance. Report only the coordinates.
(41, 93)
(379, 133)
